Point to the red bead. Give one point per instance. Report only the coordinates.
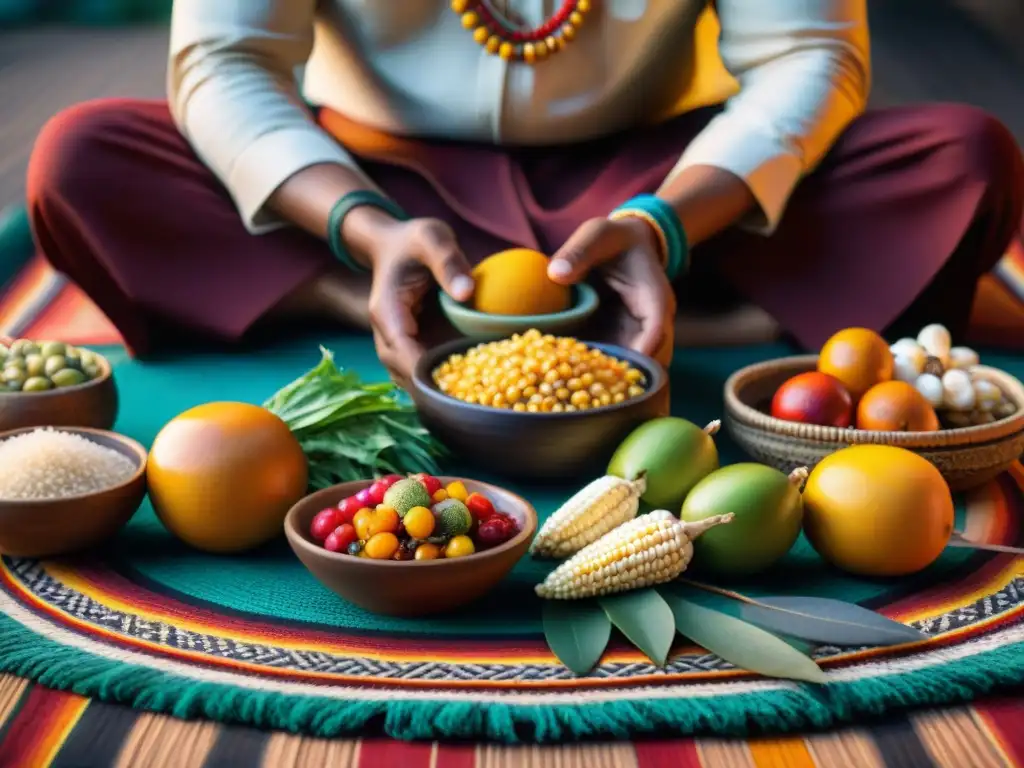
(517, 37)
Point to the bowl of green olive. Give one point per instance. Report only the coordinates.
(54, 384)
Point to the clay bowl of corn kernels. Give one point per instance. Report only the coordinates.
(536, 407)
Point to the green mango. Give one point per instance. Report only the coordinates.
(675, 454)
(768, 508)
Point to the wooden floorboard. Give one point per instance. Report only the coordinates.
(922, 50)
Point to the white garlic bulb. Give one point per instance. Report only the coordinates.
(963, 357)
(986, 395)
(958, 390)
(936, 341)
(930, 385)
(908, 368)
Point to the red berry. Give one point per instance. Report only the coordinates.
(389, 480)
(491, 533)
(431, 483)
(364, 498)
(348, 508)
(326, 520)
(340, 538)
(377, 491)
(479, 506)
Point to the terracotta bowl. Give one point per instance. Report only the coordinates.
(60, 526)
(480, 325)
(535, 446)
(967, 457)
(413, 587)
(92, 405)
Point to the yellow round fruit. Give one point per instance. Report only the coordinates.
(516, 282)
(876, 510)
(222, 476)
(858, 357)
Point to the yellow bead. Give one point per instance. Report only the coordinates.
(529, 53)
(540, 49)
(553, 43)
(480, 35)
(582, 5)
(470, 20)
(576, 18)
(506, 51)
(493, 44)
(459, 6)
(568, 31)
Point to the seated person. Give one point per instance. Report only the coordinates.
(442, 131)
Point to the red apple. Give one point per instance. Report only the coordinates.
(814, 398)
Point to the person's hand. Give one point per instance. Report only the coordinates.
(625, 253)
(407, 258)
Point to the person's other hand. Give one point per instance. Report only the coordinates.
(624, 252)
(407, 259)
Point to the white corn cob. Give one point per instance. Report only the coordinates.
(650, 549)
(594, 510)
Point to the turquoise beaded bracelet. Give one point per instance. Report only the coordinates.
(342, 208)
(667, 220)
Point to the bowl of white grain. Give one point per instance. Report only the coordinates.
(66, 489)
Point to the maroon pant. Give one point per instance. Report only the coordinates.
(892, 230)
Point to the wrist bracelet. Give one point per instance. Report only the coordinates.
(667, 221)
(632, 213)
(342, 208)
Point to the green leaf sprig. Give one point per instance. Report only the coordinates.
(771, 636)
(350, 430)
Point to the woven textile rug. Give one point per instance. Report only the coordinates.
(151, 625)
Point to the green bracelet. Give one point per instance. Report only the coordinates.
(342, 208)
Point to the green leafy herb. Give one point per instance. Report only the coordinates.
(350, 430)
(577, 632)
(645, 619)
(745, 645)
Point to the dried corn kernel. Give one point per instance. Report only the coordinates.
(555, 375)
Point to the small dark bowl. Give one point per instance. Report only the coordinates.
(92, 404)
(51, 527)
(411, 587)
(536, 446)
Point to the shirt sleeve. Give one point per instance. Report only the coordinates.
(804, 72)
(233, 88)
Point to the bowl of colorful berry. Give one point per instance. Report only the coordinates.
(411, 546)
(537, 406)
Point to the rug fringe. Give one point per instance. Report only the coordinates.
(796, 707)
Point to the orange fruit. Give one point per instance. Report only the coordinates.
(858, 357)
(516, 282)
(877, 510)
(222, 476)
(896, 406)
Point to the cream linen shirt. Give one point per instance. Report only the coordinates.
(239, 70)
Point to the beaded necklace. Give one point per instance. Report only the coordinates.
(500, 36)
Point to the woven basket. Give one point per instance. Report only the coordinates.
(967, 457)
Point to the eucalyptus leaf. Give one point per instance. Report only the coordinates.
(742, 644)
(645, 619)
(577, 632)
(829, 622)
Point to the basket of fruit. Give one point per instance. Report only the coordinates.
(920, 394)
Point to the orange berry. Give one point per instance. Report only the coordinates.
(381, 546)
